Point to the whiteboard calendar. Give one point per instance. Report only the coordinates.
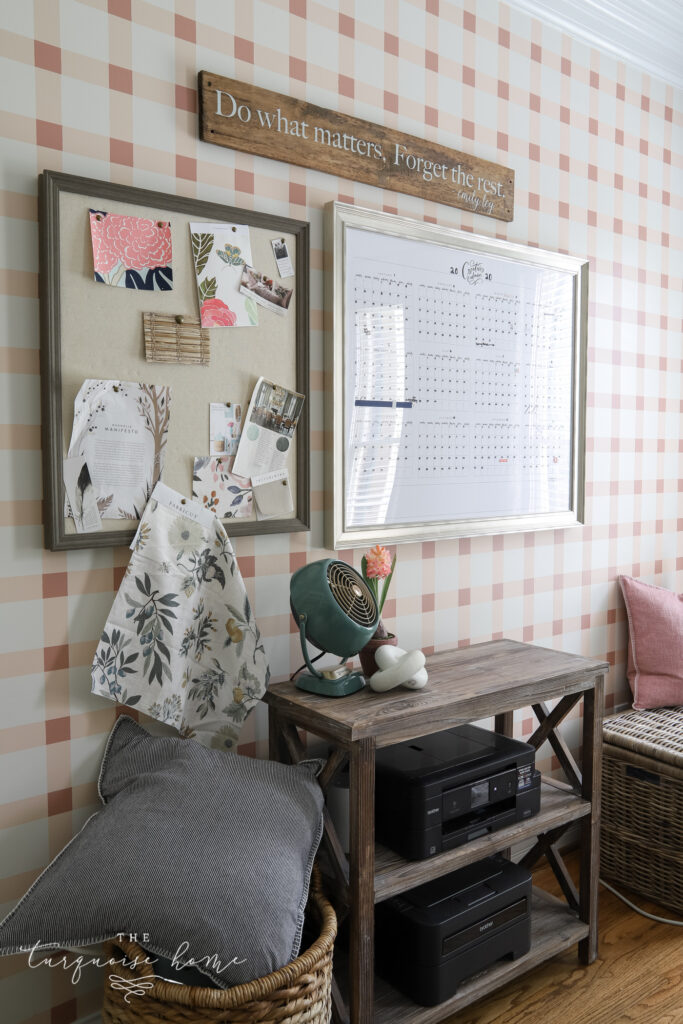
(457, 367)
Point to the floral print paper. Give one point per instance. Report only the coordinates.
(216, 486)
(219, 252)
(181, 643)
(131, 252)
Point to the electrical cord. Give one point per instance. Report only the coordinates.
(313, 661)
(645, 913)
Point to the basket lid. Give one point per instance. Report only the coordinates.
(657, 733)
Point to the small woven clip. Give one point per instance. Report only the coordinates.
(175, 339)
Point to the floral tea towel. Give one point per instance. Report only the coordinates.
(181, 643)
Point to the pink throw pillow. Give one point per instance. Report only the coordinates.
(655, 649)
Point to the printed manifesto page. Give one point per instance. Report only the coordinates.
(458, 384)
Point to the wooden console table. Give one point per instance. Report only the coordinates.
(483, 681)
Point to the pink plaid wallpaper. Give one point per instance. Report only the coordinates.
(106, 88)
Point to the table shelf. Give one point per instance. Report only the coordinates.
(394, 874)
(554, 928)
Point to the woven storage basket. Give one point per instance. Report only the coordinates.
(299, 993)
(641, 836)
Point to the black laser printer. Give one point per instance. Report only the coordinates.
(430, 939)
(438, 792)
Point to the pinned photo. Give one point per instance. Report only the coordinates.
(270, 425)
(285, 267)
(265, 291)
(225, 426)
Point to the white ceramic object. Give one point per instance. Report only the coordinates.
(417, 681)
(397, 667)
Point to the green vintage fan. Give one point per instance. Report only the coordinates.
(336, 612)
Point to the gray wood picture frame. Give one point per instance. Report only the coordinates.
(53, 186)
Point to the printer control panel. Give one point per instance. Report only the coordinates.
(479, 794)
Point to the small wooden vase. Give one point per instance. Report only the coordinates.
(367, 654)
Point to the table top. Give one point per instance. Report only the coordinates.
(464, 685)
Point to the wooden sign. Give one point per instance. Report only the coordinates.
(266, 123)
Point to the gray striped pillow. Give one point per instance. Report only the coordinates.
(193, 845)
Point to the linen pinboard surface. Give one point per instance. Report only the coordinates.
(181, 642)
(193, 845)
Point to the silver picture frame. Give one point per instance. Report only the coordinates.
(395, 234)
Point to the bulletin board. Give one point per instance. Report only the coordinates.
(457, 368)
(93, 330)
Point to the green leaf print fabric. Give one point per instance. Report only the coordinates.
(181, 643)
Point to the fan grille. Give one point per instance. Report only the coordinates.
(351, 593)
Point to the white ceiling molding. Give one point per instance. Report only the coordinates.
(643, 33)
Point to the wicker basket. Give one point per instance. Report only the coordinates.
(299, 993)
(641, 837)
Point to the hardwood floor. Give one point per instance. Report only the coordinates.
(637, 978)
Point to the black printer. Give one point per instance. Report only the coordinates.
(430, 939)
(438, 792)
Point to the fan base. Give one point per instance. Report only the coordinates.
(351, 683)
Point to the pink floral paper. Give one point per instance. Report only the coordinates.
(131, 252)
